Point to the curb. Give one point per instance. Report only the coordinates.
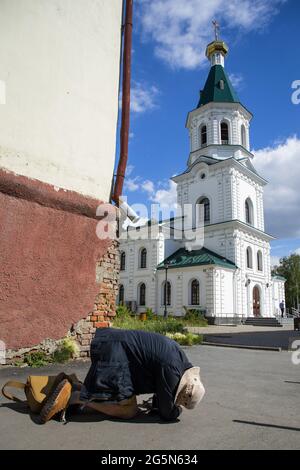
(242, 346)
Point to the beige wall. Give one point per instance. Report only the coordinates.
(59, 65)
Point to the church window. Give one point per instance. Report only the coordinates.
(259, 261)
(123, 261)
(142, 295)
(243, 136)
(166, 293)
(249, 211)
(203, 136)
(121, 294)
(195, 292)
(249, 258)
(143, 258)
(224, 133)
(206, 204)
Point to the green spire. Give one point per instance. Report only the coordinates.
(218, 88)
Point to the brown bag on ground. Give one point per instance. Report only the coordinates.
(37, 388)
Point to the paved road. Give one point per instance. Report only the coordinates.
(252, 402)
(279, 338)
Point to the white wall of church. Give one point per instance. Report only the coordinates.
(180, 280)
(278, 295)
(250, 277)
(134, 275)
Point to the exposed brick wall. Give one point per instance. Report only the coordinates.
(107, 275)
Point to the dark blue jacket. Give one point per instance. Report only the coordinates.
(128, 362)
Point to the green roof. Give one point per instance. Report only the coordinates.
(277, 276)
(183, 258)
(216, 91)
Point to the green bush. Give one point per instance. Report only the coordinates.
(186, 339)
(155, 325)
(37, 359)
(194, 317)
(68, 349)
(123, 312)
(150, 314)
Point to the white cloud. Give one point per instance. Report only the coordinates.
(237, 80)
(280, 166)
(148, 186)
(143, 97)
(297, 251)
(181, 30)
(275, 261)
(129, 170)
(166, 197)
(131, 184)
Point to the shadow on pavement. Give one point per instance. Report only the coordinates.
(279, 339)
(266, 425)
(89, 416)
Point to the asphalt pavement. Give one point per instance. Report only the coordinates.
(252, 401)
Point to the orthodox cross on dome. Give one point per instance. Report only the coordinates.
(216, 29)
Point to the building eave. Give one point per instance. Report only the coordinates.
(219, 104)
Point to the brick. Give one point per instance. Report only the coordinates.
(93, 318)
(111, 314)
(102, 324)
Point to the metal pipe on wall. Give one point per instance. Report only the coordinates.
(125, 122)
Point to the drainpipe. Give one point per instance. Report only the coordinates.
(125, 120)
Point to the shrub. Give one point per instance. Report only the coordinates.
(150, 314)
(194, 317)
(123, 312)
(68, 349)
(186, 339)
(155, 325)
(37, 359)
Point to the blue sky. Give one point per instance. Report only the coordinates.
(169, 69)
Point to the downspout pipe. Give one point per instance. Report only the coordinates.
(125, 120)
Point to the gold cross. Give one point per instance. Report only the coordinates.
(217, 29)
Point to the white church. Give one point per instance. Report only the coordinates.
(229, 276)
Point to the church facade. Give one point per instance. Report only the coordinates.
(229, 274)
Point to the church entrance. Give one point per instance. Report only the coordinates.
(256, 301)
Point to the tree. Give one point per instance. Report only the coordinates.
(289, 267)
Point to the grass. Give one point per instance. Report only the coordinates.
(67, 349)
(173, 327)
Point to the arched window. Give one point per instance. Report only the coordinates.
(166, 293)
(249, 258)
(123, 261)
(142, 294)
(121, 294)
(143, 258)
(203, 136)
(195, 292)
(249, 211)
(259, 261)
(206, 204)
(224, 133)
(243, 136)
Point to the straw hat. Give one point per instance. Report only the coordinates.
(190, 390)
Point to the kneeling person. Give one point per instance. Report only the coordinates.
(126, 363)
